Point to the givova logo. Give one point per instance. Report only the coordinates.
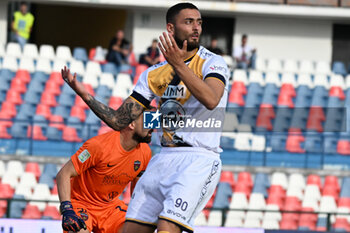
(151, 120)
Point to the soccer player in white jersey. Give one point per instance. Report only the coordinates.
(191, 83)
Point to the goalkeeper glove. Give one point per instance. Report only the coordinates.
(71, 221)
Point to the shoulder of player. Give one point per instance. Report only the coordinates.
(145, 148)
(100, 140)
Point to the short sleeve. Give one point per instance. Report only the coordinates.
(142, 93)
(216, 68)
(87, 156)
(147, 153)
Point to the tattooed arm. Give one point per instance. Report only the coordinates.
(116, 119)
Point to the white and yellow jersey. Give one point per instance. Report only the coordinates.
(185, 121)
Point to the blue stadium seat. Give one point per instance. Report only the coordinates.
(80, 54)
(2, 96)
(92, 118)
(27, 109)
(66, 99)
(330, 143)
(47, 179)
(254, 95)
(63, 111)
(282, 120)
(53, 133)
(89, 131)
(299, 118)
(32, 97)
(225, 142)
(313, 143)
(50, 169)
(303, 98)
(4, 84)
(40, 121)
(334, 118)
(17, 206)
(75, 123)
(110, 68)
(270, 94)
(19, 129)
(338, 67)
(36, 86)
(319, 97)
(223, 193)
(40, 77)
(345, 187)
(249, 116)
(103, 92)
(278, 142)
(66, 89)
(6, 74)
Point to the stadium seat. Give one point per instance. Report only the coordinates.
(322, 67)
(256, 76)
(274, 214)
(47, 179)
(200, 220)
(93, 68)
(110, 68)
(27, 179)
(80, 54)
(52, 87)
(56, 77)
(43, 110)
(53, 133)
(36, 133)
(27, 64)
(257, 201)
(338, 67)
(51, 212)
(77, 67)
(31, 51)
(43, 65)
(70, 135)
(293, 143)
(17, 206)
(274, 65)
(270, 224)
(31, 212)
(91, 79)
(13, 49)
(47, 51)
(332, 181)
(306, 66)
(33, 167)
(78, 112)
(260, 64)
(48, 99)
(10, 63)
(63, 52)
(290, 66)
(14, 97)
(6, 190)
(288, 224)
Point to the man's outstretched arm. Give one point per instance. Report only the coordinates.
(116, 119)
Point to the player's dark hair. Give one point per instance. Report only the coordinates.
(244, 36)
(23, 3)
(174, 10)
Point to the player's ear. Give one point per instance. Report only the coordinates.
(132, 125)
(170, 28)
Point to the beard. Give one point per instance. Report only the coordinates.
(190, 45)
(137, 137)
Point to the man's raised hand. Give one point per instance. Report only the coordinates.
(72, 81)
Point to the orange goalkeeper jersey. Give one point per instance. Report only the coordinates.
(104, 169)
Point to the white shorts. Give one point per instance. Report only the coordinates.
(175, 187)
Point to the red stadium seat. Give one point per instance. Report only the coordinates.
(315, 180)
(264, 122)
(57, 122)
(48, 99)
(31, 212)
(307, 222)
(6, 191)
(80, 102)
(54, 190)
(246, 178)
(236, 98)
(239, 87)
(14, 97)
(51, 212)
(52, 87)
(273, 199)
(343, 147)
(341, 224)
(8, 110)
(34, 168)
(285, 100)
(311, 217)
(315, 119)
(132, 59)
(287, 89)
(292, 204)
(333, 182)
(56, 77)
(243, 188)
(228, 177)
(277, 190)
(36, 133)
(3, 207)
(70, 135)
(330, 191)
(139, 69)
(23, 75)
(208, 206)
(267, 110)
(43, 110)
(293, 143)
(344, 202)
(18, 85)
(288, 224)
(337, 92)
(78, 112)
(4, 133)
(115, 102)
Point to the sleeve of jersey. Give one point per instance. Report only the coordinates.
(86, 156)
(216, 68)
(142, 93)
